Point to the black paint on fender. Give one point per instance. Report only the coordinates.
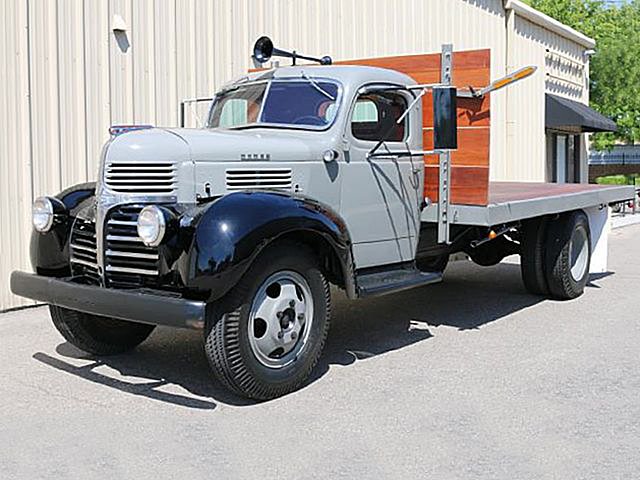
(49, 252)
(227, 235)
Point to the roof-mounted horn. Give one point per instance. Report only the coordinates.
(263, 50)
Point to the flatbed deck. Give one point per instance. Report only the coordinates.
(513, 201)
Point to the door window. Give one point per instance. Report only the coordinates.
(375, 117)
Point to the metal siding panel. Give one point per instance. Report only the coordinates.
(143, 62)
(15, 153)
(527, 153)
(97, 87)
(45, 97)
(526, 114)
(185, 51)
(121, 65)
(165, 66)
(71, 83)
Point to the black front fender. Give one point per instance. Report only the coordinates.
(228, 234)
(49, 251)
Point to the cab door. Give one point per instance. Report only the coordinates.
(381, 197)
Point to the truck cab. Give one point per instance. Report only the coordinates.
(318, 146)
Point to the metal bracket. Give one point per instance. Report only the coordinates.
(445, 158)
(181, 112)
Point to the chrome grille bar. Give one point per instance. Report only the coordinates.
(83, 250)
(128, 261)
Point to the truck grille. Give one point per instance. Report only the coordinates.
(142, 178)
(264, 178)
(128, 261)
(83, 249)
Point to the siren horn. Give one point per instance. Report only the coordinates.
(263, 50)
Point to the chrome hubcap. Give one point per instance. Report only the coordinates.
(579, 253)
(280, 319)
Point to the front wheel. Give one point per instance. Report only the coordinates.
(271, 329)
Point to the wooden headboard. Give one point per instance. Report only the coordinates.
(470, 163)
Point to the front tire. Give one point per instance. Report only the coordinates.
(98, 335)
(271, 329)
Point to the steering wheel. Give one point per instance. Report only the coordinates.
(309, 120)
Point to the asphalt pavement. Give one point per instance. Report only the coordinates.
(470, 379)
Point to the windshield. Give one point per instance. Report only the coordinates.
(307, 102)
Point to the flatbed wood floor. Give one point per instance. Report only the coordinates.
(513, 201)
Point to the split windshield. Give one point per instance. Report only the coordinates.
(303, 103)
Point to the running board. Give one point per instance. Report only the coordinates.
(391, 281)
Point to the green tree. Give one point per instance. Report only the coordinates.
(615, 68)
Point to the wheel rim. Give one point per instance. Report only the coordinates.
(280, 319)
(579, 253)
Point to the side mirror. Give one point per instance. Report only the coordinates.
(445, 118)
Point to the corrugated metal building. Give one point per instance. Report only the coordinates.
(67, 77)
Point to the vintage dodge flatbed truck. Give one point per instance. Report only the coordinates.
(304, 176)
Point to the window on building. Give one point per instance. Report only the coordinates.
(375, 117)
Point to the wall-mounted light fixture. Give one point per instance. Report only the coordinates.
(118, 24)
(119, 28)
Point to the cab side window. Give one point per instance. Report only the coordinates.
(234, 112)
(375, 117)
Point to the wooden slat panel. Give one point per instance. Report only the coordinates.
(468, 184)
(404, 63)
(473, 147)
(472, 112)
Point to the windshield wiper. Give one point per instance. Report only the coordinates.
(315, 85)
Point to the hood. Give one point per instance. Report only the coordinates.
(252, 144)
(212, 145)
(149, 145)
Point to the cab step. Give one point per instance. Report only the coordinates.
(391, 281)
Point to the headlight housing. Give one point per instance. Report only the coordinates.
(42, 213)
(152, 225)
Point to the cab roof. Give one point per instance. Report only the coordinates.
(347, 75)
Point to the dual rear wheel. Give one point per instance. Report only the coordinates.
(556, 254)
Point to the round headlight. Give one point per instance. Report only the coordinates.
(151, 225)
(42, 214)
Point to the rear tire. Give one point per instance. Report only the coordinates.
(568, 255)
(250, 342)
(532, 263)
(98, 335)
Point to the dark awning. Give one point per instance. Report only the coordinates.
(565, 114)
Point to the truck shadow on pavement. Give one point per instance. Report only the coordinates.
(171, 367)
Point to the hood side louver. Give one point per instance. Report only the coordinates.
(244, 179)
(141, 178)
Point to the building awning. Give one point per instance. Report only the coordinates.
(565, 114)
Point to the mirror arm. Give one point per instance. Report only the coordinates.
(407, 153)
(372, 152)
